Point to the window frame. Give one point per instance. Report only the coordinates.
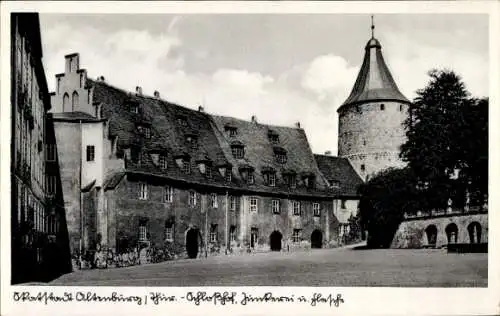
(168, 194)
(232, 203)
(238, 152)
(296, 208)
(214, 200)
(143, 191)
(192, 198)
(186, 166)
(162, 161)
(213, 233)
(169, 232)
(275, 206)
(90, 153)
(343, 204)
(296, 235)
(316, 209)
(51, 152)
(253, 204)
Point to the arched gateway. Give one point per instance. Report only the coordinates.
(192, 242)
(275, 240)
(316, 239)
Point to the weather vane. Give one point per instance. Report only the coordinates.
(373, 27)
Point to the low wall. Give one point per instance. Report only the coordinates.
(412, 233)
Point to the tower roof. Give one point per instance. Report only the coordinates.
(374, 81)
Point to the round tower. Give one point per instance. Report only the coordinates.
(371, 120)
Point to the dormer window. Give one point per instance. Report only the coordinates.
(247, 173)
(335, 184)
(186, 166)
(144, 130)
(270, 178)
(228, 175)
(192, 141)
(182, 120)
(231, 130)
(290, 179)
(162, 161)
(309, 180)
(134, 108)
(280, 154)
(273, 137)
(208, 172)
(238, 150)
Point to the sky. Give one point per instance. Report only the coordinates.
(282, 68)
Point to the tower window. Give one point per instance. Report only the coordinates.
(401, 108)
(382, 106)
(363, 167)
(90, 153)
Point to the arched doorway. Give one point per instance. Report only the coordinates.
(275, 240)
(452, 233)
(474, 229)
(431, 232)
(192, 243)
(316, 239)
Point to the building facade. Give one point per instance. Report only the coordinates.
(37, 223)
(139, 172)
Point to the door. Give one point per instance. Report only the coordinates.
(275, 241)
(192, 243)
(316, 239)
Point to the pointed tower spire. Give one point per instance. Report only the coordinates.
(374, 81)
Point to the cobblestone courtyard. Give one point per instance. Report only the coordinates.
(322, 267)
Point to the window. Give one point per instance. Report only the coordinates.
(208, 172)
(192, 198)
(273, 138)
(362, 167)
(270, 179)
(51, 152)
(215, 203)
(233, 132)
(296, 208)
(238, 152)
(186, 166)
(143, 232)
(276, 206)
(74, 100)
(296, 235)
(192, 141)
(253, 204)
(228, 175)
(232, 203)
(143, 191)
(182, 121)
(290, 180)
(51, 184)
(90, 153)
(213, 233)
(342, 204)
(232, 233)
(382, 106)
(316, 209)
(401, 107)
(146, 131)
(168, 195)
(163, 162)
(250, 178)
(169, 232)
(281, 157)
(134, 108)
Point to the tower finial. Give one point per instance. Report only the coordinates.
(373, 28)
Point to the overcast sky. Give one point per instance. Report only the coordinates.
(281, 68)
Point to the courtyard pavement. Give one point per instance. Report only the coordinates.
(318, 267)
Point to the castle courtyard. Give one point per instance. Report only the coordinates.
(322, 267)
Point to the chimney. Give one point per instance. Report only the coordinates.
(297, 124)
(138, 90)
(328, 152)
(201, 109)
(157, 94)
(254, 119)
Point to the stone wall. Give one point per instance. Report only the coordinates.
(372, 136)
(412, 233)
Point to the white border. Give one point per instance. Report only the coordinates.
(383, 301)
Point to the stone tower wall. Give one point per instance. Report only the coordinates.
(370, 135)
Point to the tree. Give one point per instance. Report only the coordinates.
(446, 134)
(384, 200)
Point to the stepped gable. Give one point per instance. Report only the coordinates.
(170, 126)
(374, 81)
(339, 171)
(259, 154)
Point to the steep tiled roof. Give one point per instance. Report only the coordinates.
(374, 81)
(74, 116)
(259, 153)
(339, 171)
(172, 127)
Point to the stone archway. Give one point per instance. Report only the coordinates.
(452, 233)
(275, 240)
(431, 232)
(316, 239)
(192, 242)
(474, 229)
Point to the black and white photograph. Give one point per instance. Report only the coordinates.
(215, 149)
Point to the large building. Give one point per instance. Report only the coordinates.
(139, 171)
(37, 221)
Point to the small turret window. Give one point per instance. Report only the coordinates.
(382, 106)
(362, 167)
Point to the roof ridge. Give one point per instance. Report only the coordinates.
(250, 122)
